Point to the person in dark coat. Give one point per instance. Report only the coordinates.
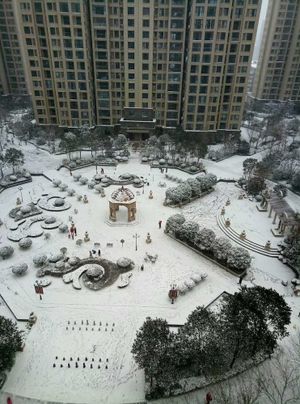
(208, 398)
(159, 224)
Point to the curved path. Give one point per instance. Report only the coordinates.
(246, 243)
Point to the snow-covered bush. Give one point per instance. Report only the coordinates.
(40, 260)
(25, 209)
(205, 238)
(19, 269)
(98, 188)
(56, 182)
(72, 164)
(76, 176)
(79, 197)
(59, 202)
(79, 242)
(63, 187)
(91, 184)
(221, 247)
(56, 257)
(238, 258)
(189, 283)
(25, 243)
(162, 161)
(63, 228)
(71, 192)
(50, 220)
(73, 260)
(174, 222)
(281, 173)
(187, 231)
(6, 251)
(83, 180)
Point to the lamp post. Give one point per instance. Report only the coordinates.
(20, 189)
(136, 236)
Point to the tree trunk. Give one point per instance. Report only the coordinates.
(235, 354)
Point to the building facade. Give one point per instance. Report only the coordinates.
(278, 72)
(13, 78)
(140, 63)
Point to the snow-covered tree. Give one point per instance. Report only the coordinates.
(249, 166)
(6, 251)
(10, 343)
(174, 222)
(14, 157)
(25, 243)
(56, 182)
(153, 336)
(40, 260)
(19, 269)
(238, 258)
(255, 185)
(221, 247)
(205, 238)
(120, 142)
(296, 181)
(187, 231)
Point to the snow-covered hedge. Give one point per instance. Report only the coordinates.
(56, 182)
(192, 187)
(25, 243)
(6, 251)
(219, 249)
(83, 180)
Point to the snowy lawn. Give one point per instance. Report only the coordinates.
(33, 375)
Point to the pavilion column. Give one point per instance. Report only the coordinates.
(271, 210)
(275, 217)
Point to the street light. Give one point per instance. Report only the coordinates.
(136, 236)
(20, 189)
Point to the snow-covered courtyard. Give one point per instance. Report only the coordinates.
(79, 349)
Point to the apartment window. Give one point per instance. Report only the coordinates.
(130, 23)
(131, 66)
(146, 23)
(146, 11)
(75, 7)
(130, 10)
(145, 34)
(64, 7)
(131, 76)
(130, 34)
(65, 20)
(38, 7)
(131, 45)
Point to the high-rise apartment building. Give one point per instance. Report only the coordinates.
(140, 62)
(12, 74)
(278, 71)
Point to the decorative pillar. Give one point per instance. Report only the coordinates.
(274, 219)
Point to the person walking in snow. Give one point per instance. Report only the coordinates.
(159, 224)
(142, 267)
(208, 398)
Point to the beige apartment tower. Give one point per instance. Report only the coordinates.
(13, 78)
(139, 63)
(278, 71)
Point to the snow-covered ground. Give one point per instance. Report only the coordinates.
(107, 320)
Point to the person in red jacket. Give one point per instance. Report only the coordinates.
(208, 398)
